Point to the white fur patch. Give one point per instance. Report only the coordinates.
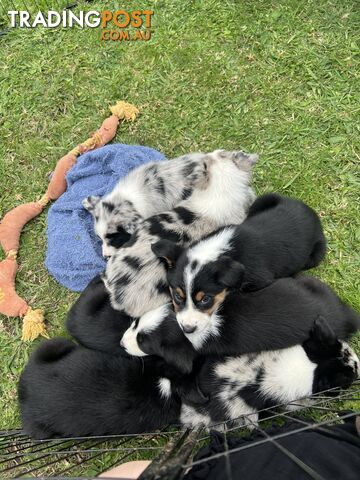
(146, 324)
(164, 385)
(289, 377)
(206, 325)
(211, 248)
(129, 342)
(191, 418)
(350, 358)
(151, 320)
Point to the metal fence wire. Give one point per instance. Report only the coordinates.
(171, 450)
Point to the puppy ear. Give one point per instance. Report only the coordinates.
(89, 203)
(230, 272)
(167, 251)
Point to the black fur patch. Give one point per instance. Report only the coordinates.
(133, 262)
(157, 229)
(250, 394)
(188, 169)
(185, 215)
(123, 280)
(133, 239)
(185, 238)
(162, 287)
(108, 206)
(166, 217)
(160, 187)
(186, 193)
(150, 174)
(119, 238)
(194, 264)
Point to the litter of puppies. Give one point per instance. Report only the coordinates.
(204, 284)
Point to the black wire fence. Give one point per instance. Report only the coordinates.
(171, 450)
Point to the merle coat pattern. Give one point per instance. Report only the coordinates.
(134, 276)
(147, 190)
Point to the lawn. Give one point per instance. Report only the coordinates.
(280, 78)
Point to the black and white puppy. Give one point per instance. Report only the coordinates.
(276, 317)
(237, 388)
(94, 323)
(147, 190)
(134, 276)
(280, 237)
(70, 391)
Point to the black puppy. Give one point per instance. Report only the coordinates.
(67, 390)
(276, 317)
(94, 323)
(280, 237)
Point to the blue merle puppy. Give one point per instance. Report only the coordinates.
(149, 189)
(134, 276)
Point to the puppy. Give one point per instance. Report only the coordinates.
(276, 317)
(280, 237)
(147, 190)
(94, 323)
(67, 390)
(238, 387)
(134, 276)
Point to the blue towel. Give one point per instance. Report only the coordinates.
(74, 252)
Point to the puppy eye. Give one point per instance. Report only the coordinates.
(140, 338)
(206, 300)
(178, 298)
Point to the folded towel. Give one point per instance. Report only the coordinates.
(74, 252)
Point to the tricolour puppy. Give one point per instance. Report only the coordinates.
(70, 391)
(149, 189)
(135, 277)
(278, 316)
(281, 237)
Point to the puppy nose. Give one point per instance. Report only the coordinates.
(189, 328)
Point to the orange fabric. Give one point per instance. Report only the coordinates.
(10, 227)
(57, 185)
(13, 222)
(10, 302)
(106, 132)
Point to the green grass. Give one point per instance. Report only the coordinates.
(279, 78)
